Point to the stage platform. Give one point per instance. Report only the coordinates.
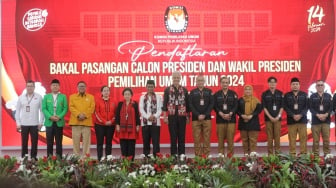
(165, 148)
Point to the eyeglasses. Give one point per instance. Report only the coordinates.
(320, 85)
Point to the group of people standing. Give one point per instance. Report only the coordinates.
(125, 118)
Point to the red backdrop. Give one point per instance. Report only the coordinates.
(245, 40)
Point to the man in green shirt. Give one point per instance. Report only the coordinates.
(54, 108)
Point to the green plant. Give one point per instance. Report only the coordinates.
(284, 177)
(170, 172)
(7, 165)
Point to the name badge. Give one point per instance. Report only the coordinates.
(274, 107)
(176, 102)
(321, 107)
(27, 108)
(202, 102)
(296, 106)
(224, 106)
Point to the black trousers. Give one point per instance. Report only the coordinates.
(25, 132)
(177, 130)
(151, 132)
(104, 132)
(54, 133)
(127, 147)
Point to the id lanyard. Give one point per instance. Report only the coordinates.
(274, 102)
(321, 102)
(29, 101)
(202, 98)
(225, 97)
(126, 110)
(296, 103)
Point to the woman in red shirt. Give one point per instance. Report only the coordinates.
(104, 123)
(127, 123)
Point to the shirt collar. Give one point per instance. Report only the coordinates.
(79, 95)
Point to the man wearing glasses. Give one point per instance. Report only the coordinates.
(272, 101)
(320, 107)
(201, 104)
(82, 106)
(176, 113)
(225, 105)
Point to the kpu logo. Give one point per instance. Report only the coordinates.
(34, 19)
(176, 19)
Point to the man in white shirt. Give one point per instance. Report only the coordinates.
(29, 118)
(150, 108)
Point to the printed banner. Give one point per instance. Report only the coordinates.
(123, 43)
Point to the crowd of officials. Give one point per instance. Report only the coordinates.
(123, 119)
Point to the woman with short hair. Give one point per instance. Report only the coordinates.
(127, 123)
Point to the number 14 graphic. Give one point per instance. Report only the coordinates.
(315, 12)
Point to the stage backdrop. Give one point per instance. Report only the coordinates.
(123, 43)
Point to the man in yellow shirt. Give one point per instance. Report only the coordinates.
(81, 106)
